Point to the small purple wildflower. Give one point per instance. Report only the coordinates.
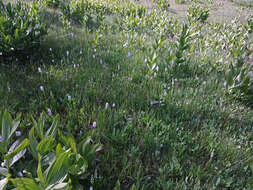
(39, 69)
(18, 133)
(129, 54)
(94, 124)
(41, 88)
(49, 111)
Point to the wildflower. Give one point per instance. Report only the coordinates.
(41, 88)
(81, 52)
(74, 65)
(1, 53)
(18, 133)
(101, 61)
(37, 33)
(106, 105)
(39, 69)
(113, 105)
(50, 49)
(67, 52)
(91, 188)
(20, 174)
(93, 56)
(129, 54)
(95, 50)
(94, 124)
(129, 79)
(69, 97)
(166, 70)
(3, 164)
(49, 111)
(169, 36)
(1, 139)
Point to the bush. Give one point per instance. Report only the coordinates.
(21, 28)
(240, 82)
(197, 13)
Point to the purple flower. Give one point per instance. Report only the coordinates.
(94, 124)
(129, 54)
(39, 69)
(18, 133)
(41, 88)
(49, 111)
(69, 97)
(101, 61)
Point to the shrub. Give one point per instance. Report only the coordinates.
(197, 13)
(240, 82)
(21, 28)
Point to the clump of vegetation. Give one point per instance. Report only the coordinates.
(21, 28)
(127, 97)
(197, 13)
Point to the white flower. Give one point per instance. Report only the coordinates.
(50, 49)
(18, 133)
(106, 105)
(3, 164)
(41, 88)
(94, 56)
(20, 174)
(1, 53)
(94, 124)
(113, 105)
(67, 52)
(69, 97)
(91, 188)
(49, 112)
(37, 33)
(95, 50)
(81, 52)
(39, 69)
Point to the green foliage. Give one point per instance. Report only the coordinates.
(197, 13)
(21, 28)
(240, 82)
(59, 167)
(53, 3)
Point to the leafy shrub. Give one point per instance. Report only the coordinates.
(240, 82)
(197, 13)
(53, 160)
(53, 3)
(21, 28)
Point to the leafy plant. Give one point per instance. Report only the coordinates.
(197, 13)
(9, 155)
(21, 28)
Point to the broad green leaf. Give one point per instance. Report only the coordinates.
(46, 145)
(3, 171)
(53, 129)
(60, 186)
(3, 183)
(22, 146)
(133, 187)
(72, 144)
(15, 125)
(39, 172)
(6, 125)
(33, 144)
(25, 184)
(57, 171)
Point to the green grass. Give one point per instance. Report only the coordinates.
(197, 137)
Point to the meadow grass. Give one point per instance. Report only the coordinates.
(176, 129)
